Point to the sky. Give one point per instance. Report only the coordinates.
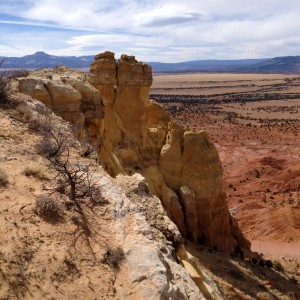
(152, 30)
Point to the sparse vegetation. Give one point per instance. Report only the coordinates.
(268, 264)
(4, 86)
(79, 236)
(18, 73)
(48, 207)
(72, 177)
(14, 270)
(36, 170)
(114, 257)
(3, 178)
(278, 266)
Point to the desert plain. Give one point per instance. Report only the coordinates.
(254, 122)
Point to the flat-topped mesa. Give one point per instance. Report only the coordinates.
(181, 167)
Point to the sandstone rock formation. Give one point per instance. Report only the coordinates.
(68, 93)
(182, 167)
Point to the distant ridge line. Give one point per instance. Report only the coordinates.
(277, 65)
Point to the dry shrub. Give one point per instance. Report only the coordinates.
(48, 207)
(273, 162)
(39, 117)
(4, 86)
(73, 178)
(278, 266)
(3, 178)
(36, 170)
(56, 140)
(14, 271)
(18, 73)
(113, 257)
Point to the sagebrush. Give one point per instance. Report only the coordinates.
(48, 207)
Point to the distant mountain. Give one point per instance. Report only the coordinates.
(205, 65)
(286, 64)
(44, 60)
(277, 65)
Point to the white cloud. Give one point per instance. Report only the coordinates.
(166, 30)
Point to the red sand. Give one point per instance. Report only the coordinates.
(277, 248)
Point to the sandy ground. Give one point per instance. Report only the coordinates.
(46, 258)
(276, 248)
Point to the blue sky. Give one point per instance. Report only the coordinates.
(161, 30)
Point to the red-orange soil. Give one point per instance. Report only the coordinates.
(254, 121)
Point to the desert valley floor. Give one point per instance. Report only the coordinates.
(254, 121)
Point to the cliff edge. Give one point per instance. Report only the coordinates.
(133, 134)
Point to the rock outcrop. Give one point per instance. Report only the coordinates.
(182, 167)
(143, 230)
(136, 135)
(68, 94)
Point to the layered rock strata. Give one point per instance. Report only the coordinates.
(68, 94)
(182, 167)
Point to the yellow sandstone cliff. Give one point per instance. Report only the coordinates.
(136, 135)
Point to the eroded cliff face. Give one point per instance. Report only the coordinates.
(136, 135)
(182, 167)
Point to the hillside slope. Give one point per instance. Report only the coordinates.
(104, 249)
(70, 257)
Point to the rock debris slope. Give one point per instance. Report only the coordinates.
(136, 135)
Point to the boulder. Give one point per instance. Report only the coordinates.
(66, 92)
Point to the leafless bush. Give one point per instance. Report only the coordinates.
(76, 178)
(61, 187)
(48, 207)
(113, 257)
(73, 178)
(39, 117)
(3, 178)
(55, 142)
